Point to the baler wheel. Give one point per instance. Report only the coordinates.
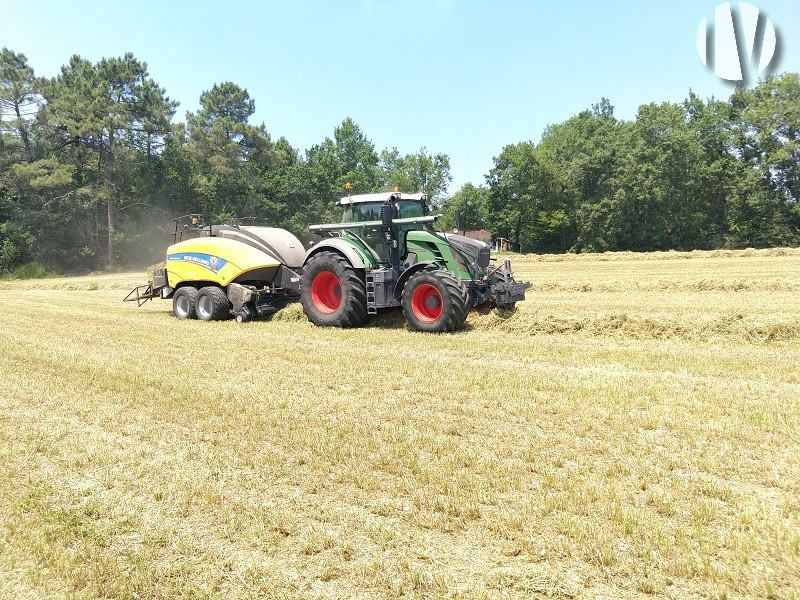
(212, 304)
(435, 301)
(184, 301)
(333, 292)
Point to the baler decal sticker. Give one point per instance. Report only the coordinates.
(208, 261)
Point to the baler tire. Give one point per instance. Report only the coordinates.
(212, 304)
(435, 301)
(333, 293)
(184, 301)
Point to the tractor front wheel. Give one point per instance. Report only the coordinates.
(435, 301)
(212, 304)
(333, 293)
(184, 301)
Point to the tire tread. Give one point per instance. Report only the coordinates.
(455, 301)
(354, 292)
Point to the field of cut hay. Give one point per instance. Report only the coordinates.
(631, 431)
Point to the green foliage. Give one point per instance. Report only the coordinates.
(32, 270)
(473, 204)
(44, 176)
(20, 99)
(768, 131)
(349, 157)
(523, 203)
(16, 246)
(579, 157)
(420, 172)
(105, 112)
(92, 171)
(691, 176)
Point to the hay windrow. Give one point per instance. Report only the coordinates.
(671, 285)
(650, 256)
(732, 326)
(530, 323)
(116, 281)
(290, 314)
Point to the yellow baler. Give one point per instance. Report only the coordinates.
(225, 270)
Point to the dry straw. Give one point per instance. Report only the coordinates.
(631, 431)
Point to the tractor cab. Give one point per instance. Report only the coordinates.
(362, 213)
(367, 207)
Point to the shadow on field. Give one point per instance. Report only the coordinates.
(394, 319)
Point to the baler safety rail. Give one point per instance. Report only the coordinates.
(139, 296)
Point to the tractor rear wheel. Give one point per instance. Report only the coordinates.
(184, 301)
(333, 292)
(435, 301)
(212, 304)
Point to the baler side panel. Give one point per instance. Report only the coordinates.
(215, 260)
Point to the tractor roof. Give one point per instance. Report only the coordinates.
(381, 197)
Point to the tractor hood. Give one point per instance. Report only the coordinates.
(478, 252)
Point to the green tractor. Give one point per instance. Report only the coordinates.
(385, 253)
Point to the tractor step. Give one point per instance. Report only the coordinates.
(372, 308)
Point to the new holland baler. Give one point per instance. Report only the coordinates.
(213, 272)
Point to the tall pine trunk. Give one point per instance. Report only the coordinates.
(23, 133)
(112, 262)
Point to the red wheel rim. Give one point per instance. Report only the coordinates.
(426, 303)
(326, 292)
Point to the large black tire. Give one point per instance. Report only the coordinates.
(333, 293)
(435, 301)
(212, 304)
(184, 301)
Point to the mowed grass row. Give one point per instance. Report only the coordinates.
(632, 430)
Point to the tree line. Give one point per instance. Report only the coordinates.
(93, 168)
(695, 175)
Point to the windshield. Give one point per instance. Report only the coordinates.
(371, 211)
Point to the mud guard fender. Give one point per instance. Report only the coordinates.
(406, 275)
(340, 247)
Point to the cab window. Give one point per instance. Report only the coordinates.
(409, 209)
(370, 211)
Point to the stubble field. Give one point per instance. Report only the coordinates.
(631, 431)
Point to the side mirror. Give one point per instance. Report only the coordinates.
(458, 219)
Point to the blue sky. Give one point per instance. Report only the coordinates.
(460, 77)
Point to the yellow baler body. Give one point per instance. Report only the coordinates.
(213, 259)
